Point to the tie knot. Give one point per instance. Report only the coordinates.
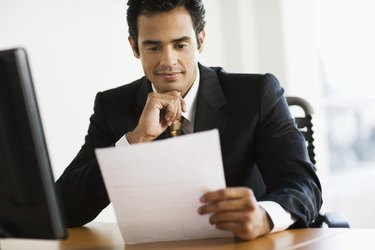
(176, 128)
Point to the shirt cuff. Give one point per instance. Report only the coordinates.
(122, 142)
(280, 218)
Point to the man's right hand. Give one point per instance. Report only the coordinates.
(160, 111)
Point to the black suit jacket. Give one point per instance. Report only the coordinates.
(260, 145)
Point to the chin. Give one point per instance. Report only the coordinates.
(168, 86)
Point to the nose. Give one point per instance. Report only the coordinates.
(168, 58)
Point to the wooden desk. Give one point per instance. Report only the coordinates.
(102, 236)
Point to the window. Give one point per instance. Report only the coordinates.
(346, 41)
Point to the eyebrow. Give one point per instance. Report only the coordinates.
(155, 42)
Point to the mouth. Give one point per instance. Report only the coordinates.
(169, 76)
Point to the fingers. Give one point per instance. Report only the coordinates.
(182, 102)
(230, 226)
(228, 199)
(236, 210)
(244, 224)
(229, 204)
(223, 217)
(160, 111)
(227, 193)
(173, 111)
(248, 203)
(242, 230)
(171, 102)
(172, 108)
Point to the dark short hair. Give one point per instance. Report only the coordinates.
(149, 7)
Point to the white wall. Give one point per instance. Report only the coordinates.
(76, 48)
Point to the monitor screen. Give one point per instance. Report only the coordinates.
(29, 205)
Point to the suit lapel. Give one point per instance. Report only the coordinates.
(209, 113)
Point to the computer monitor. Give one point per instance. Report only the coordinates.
(29, 205)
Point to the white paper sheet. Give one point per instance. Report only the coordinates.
(155, 187)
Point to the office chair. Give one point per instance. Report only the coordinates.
(305, 125)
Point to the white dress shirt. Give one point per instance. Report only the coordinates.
(281, 218)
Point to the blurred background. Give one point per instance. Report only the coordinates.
(321, 50)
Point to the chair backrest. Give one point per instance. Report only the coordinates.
(304, 123)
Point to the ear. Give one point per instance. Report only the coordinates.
(134, 46)
(201, 37)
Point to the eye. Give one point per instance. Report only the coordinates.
(153, 49)
(180, 45)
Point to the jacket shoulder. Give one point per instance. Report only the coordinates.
(242, 83)
(225, 76)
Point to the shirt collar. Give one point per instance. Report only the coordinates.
(190, 98)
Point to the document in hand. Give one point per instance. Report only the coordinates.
(155, 187)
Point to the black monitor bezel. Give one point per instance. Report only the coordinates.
(47, 197)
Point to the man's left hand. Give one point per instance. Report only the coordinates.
(236, 210)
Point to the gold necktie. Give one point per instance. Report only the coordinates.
(176, 128)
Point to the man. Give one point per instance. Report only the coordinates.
(271, 182)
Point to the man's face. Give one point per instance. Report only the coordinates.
(168, 49)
